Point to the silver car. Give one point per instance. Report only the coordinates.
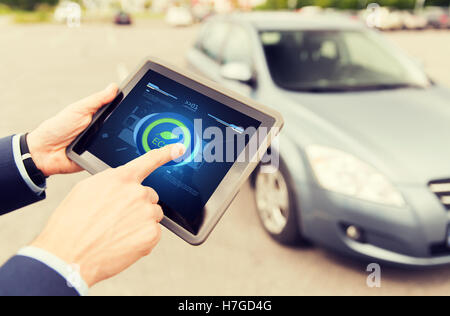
(365, 153)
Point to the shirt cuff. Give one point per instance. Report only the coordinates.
(18, 159)
(70, 272)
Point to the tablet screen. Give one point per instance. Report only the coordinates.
(160, 111)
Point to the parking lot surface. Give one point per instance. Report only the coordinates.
(45, 67)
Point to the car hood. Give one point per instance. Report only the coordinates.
(408, 130)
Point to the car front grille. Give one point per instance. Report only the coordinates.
(442, 190)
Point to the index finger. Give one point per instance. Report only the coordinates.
(142, 167)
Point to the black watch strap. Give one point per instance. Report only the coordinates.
(36, 175)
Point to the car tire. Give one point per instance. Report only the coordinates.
(277, 205)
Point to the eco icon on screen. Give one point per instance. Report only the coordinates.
(162, 129)
(168, 135)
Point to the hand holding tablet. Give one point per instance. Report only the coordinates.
(224, 134)
(123, 220)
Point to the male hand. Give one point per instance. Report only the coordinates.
(110, 220)
(49, 141)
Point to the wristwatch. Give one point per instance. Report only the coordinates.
(36, 175)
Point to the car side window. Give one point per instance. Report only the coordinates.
(213, 37)
(237, 48)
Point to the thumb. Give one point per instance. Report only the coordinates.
(94, 102)
(143, 166)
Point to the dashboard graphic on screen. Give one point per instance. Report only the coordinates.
(159, 112)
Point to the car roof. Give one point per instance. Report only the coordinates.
(292, 20)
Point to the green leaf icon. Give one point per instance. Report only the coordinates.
(168, 135)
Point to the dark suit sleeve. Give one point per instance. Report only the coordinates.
(21, 275)
(14, 192)
(24, 276)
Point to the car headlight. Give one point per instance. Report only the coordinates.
(343, 173)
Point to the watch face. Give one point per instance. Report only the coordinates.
(161, 129)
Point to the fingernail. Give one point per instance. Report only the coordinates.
(178, 150)
(181, 149)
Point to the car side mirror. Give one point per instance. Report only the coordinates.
(237, 71)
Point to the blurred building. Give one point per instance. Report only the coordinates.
(220, 6)
(229, 5)
(107, 5)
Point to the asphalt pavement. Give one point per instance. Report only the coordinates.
(46, 67)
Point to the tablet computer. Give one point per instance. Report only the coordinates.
(225, 135)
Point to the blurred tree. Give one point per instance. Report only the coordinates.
(304, 3)
(27, 4)
(438, 3)
(275, 5)
(325, 3)
(349, 4)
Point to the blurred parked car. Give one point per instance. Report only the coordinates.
(310, 10)
(201, 12)
(413, 21)
(389, 20)
(364, 165)
(437, 17)
(68, 12)
(179, 16)
(122, 18)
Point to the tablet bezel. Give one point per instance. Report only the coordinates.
(235, 177)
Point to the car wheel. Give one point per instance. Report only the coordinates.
(277, 205)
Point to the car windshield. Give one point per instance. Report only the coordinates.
(324, 61)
